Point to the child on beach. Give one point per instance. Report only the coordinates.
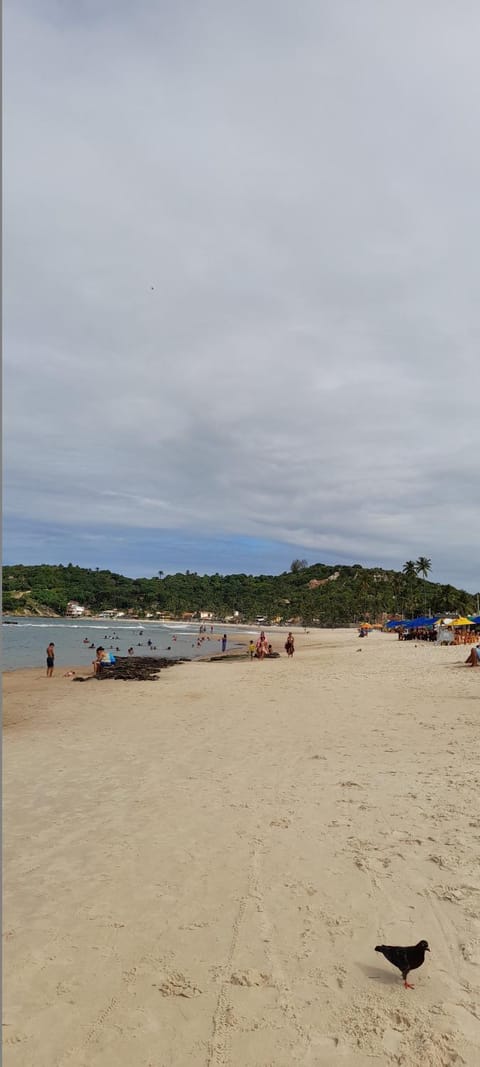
(290, 645)
(50, 659)
(251, 648)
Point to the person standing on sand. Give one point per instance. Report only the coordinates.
(224, 642)
(50, 659)
(262, 646)
(251, 648)
(290, 645)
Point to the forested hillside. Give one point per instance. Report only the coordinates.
(320, 594)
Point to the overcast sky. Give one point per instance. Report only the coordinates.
(241, 284)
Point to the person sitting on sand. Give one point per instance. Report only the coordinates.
(102, 659)
(473, 658)
(97, 662)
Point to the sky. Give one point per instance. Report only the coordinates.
(241, 261)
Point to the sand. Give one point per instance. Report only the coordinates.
(199, 868)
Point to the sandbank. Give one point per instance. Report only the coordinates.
(198, 868)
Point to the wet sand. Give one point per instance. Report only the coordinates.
(198, 868)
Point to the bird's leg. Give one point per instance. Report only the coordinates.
(407, 984)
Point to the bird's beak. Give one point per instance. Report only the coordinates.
(428, 950)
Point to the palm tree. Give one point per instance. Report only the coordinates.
(423, 566)
(409, 570)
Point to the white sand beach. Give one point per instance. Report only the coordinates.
(198, 869)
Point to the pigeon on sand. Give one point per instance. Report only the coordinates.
(406, 959)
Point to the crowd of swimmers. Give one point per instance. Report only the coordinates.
(202, 636)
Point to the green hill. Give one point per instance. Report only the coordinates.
(319, 595)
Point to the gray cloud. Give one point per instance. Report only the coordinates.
(241, 259)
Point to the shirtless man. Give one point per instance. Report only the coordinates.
(50, 659)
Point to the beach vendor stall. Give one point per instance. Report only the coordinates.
(464, 631)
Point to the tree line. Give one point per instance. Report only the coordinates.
(352, 593)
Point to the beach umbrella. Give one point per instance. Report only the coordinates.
(476, 620)
(461, 622)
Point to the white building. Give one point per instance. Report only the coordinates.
(74, 610)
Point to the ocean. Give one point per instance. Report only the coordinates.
(25, 641)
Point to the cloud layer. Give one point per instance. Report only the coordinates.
(241, 257)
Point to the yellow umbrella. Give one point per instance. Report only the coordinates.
(365, 626)
(461, 622)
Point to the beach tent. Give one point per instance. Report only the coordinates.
(476, 620)
(393, 623)
(422, 620)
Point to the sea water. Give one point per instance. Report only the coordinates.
(25, 642)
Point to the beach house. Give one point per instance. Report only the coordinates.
(74, 610)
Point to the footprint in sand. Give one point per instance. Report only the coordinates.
(250, 978)
(471, 951)
(176, 985)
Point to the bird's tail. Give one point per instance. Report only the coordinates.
(379, 948)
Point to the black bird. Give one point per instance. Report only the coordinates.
(406, 959)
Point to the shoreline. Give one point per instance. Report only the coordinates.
(315, 638)
(237, 636)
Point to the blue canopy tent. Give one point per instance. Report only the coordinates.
(412, 624)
